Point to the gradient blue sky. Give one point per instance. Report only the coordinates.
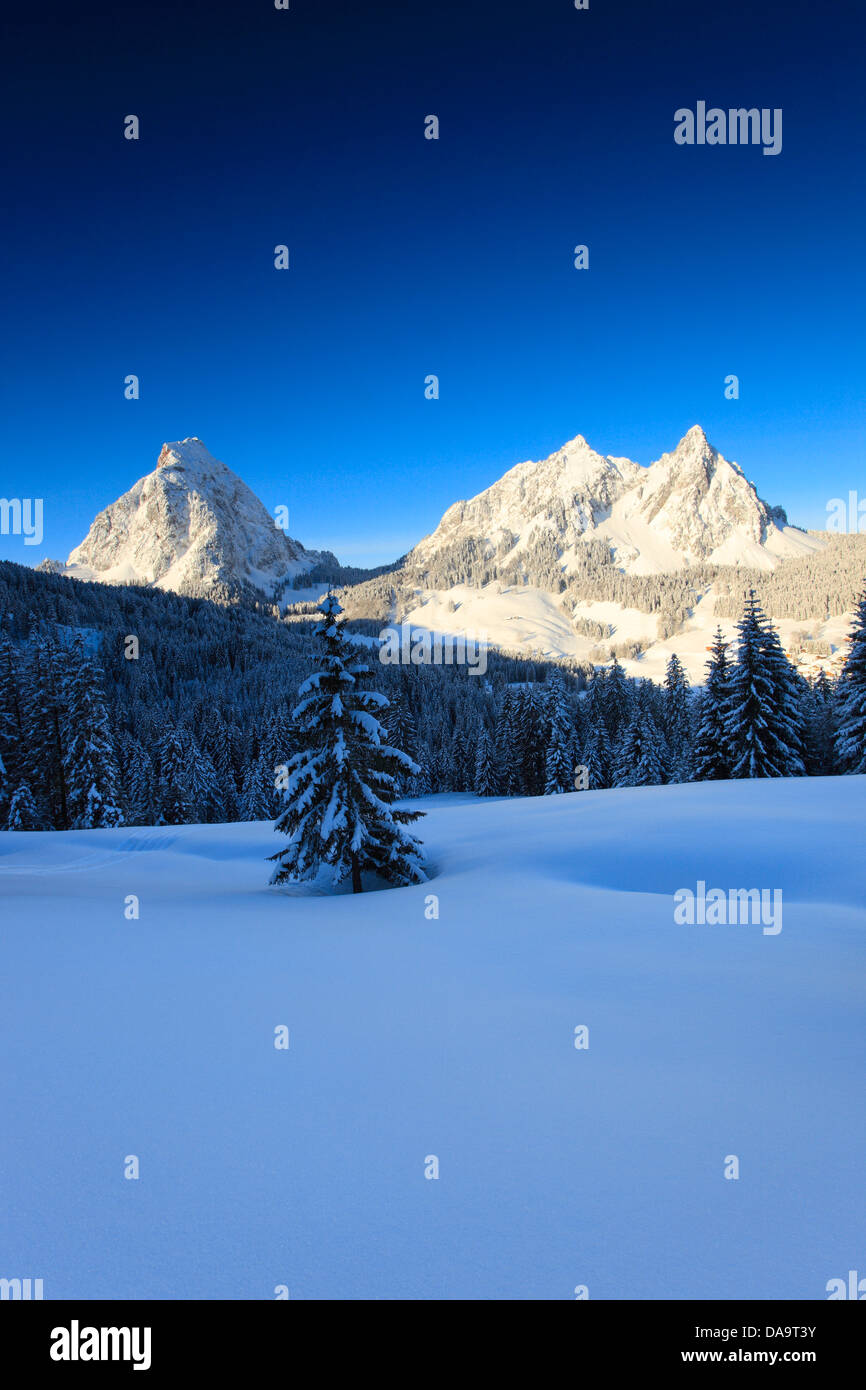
(412, 257)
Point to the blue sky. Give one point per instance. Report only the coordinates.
(411, 257)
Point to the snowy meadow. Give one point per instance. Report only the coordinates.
(523, 1078)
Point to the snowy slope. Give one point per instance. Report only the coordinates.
(411, 1037)
(533, 622)
(189, 526)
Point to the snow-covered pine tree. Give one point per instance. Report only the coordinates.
(617, 700)
(93, 795)
(485, 782)
(765, 738)
(559, 766)
(650, 770)
(342, 781)
(22, 810)
(506, 747)
(597, 756)
(789, 695)
(530, 730)
(11, 718)
(820, 727)
(400, 728)
(460, 772)
(140, 784)
(421, 783)
(201, 780)
(712, 752)
(42, 746)
(676, 715)
(258, 792)
(175, 803)
(851, 697)
(628, 753)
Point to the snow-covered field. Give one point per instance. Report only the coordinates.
(413, 1036)
(532, 622)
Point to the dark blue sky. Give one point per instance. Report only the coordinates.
(411, 257)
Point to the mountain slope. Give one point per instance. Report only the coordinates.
(191, 526)
(690, 506)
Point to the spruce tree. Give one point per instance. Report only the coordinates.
(175, 802)
(628, 753)
(508, 772)
(851, 698)
(617, 701)
(676, 716)
(820, 727)
(93, 795)
(11, 710)
(343, 780)
(485, 782)
(765, 732)
(650, 770)
(559, 765)
(44, 719)
(712, 751)
(597, 757)
(22, 810)
(258, 793)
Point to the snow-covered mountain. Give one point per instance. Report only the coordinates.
(691, 505)
(515, 565)
(191, 526)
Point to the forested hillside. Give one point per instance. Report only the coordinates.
(127, 705)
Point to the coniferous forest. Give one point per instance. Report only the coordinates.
(122, 705)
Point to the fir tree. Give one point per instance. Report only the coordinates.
(851, 736)
(175, 803)
(42, 745)
(766, 739)
(676, 717)
(712, 751)
(559, 765)
(597, 757)
(22, 810)
(820, 727)
(485, 781)
(92, 776)
(342, 781)
(258, 793)
(11, 710)
(617, 704)
(628, 753)
(650, 769)
(201, 781)
(506, 748)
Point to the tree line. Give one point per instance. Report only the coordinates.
(192, 722)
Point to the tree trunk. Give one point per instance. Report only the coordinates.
(356, 875)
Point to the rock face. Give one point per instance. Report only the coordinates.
(691, 505)
(191, 526)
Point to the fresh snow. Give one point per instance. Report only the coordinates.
(412, 1036)
(691, 505)
(189, 526)
(534, 623)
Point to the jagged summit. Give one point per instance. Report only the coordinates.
(192, 526)
(690, 505)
